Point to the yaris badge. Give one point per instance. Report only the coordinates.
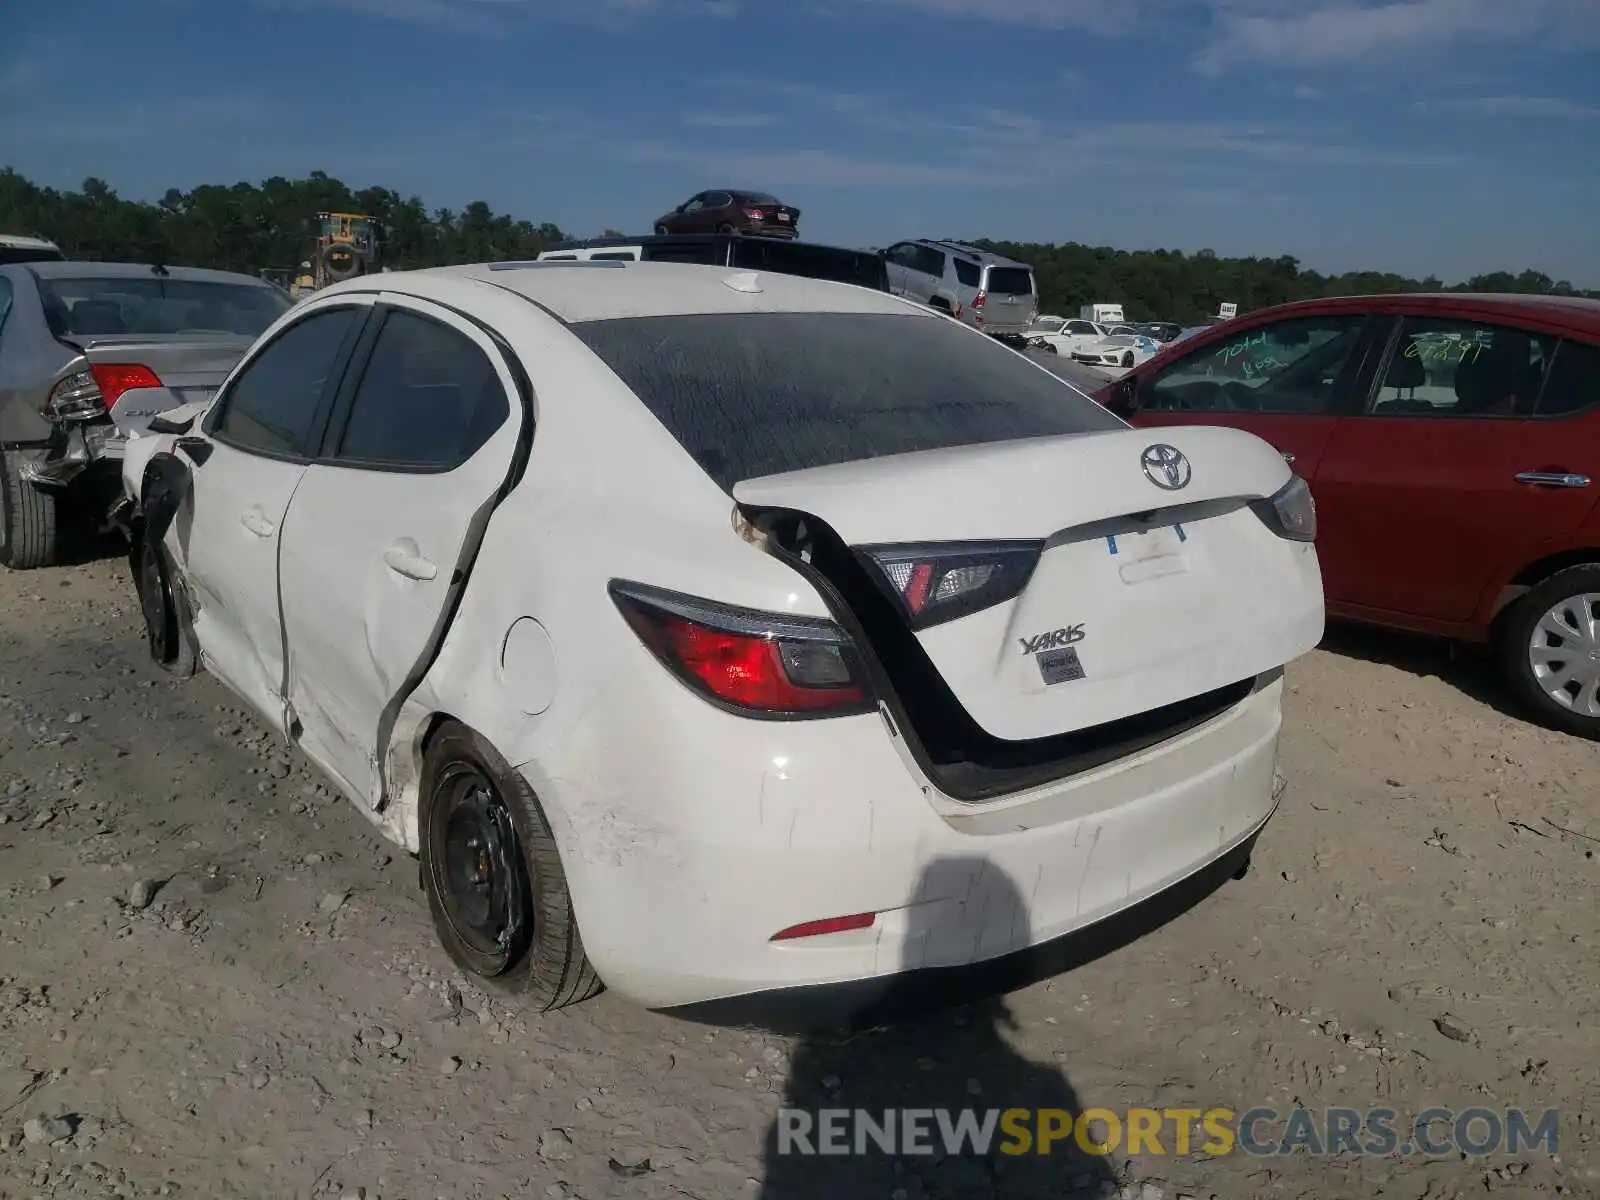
(1165, 466)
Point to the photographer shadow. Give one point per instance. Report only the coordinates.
(936, 1039)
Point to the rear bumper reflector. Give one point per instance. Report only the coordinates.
(829, 925)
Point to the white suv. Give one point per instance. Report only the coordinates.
(993, 294)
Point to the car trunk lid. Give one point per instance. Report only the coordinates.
(1142, 595)
(191, 366)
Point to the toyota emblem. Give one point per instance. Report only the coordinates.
(1165, 466)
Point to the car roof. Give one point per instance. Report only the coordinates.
(987, 258)
(1579, 311)
(78, 269)
(23, 241)
(600, 291)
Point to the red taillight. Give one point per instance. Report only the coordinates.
(979, 300)
(116, 378)
(764, 664)
(829, 925)
(755, 214)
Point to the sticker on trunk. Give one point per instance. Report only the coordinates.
(1060, 666)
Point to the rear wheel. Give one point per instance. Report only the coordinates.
(495, 884)
(28, 537)
(1550, 650)
(1127, 360)
(726, 228)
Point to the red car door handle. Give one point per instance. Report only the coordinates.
(1560, 479)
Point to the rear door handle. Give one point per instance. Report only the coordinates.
(1560, 479)
(405, 559)
(256, 523)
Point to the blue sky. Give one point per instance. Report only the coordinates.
(1442, 136)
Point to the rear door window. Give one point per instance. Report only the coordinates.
(1442, 367)
(753, 394)
(1573, 383)
(1010, 281)
(929, 261)
(968, 273)
(429, 399)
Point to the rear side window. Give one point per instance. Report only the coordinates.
(1443, 367)
(275, 405)
(813, 262)
(139, 304)
(708, 253)
(753, 394)
(968, 273)
(1574, 380)
(1010, 281)
(428, 400)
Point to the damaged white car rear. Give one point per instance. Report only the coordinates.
(730, 637)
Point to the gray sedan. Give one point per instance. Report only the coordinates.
(73, 337)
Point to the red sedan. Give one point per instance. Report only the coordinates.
(1452, 443)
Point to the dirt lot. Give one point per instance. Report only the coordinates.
(216, 981)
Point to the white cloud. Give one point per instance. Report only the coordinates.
(1514, 106)
(1049, 14)
(730, 120)
(1324, 33)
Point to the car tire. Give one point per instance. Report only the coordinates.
(1127, 362)
(28, 536)
(1573, 593)
(168, 623)
(496, 888)
(726, 228)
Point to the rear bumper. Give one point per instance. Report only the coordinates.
(684, 867)
(70, 451)
(880, 1000)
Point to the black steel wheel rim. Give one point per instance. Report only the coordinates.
(153, 600)
(477, 865)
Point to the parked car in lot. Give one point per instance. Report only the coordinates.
(20, 248)
(794, 593)
(732, 211)
(1120, 350)
(790, 257)
(994, 294)
(73, 337)
(1070, 337)
(1452, 443)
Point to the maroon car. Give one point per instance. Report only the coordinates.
(731, 211)
(1452, 443)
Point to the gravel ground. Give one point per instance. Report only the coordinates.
(215, 979)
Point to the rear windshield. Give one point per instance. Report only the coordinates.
(1010, 281)
(144, 305)
(760, 198)
(753, 394)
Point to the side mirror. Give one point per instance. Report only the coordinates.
(1123, 397)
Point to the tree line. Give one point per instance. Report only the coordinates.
(250, 227)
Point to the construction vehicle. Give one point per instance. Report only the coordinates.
(348, 244)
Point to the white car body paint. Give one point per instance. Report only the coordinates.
(1066, 342)
(690, 835)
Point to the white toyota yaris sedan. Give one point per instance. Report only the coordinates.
(714, 634)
